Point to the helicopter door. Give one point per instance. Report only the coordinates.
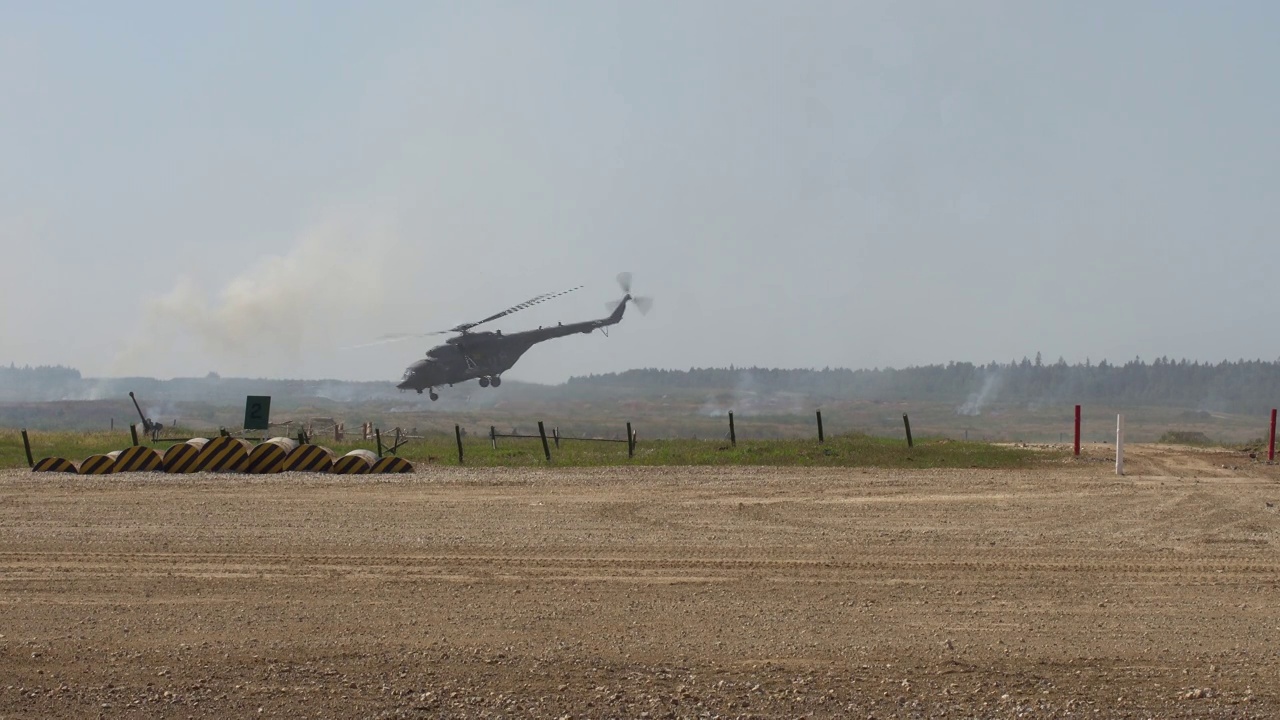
(466, 358)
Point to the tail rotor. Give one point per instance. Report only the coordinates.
(642, 303)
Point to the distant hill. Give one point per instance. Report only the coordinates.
(57, 383)
(1243, 386)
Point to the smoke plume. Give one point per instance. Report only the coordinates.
(750, 397)
(990, 388)
(276, 308)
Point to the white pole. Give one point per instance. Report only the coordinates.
(1120, 444)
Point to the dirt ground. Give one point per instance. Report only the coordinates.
(1063, 592)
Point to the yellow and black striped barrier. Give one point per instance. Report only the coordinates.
(356, 462)
(268, 456)
(54, 464)
(309, 458)
(229, 454)
(138, 458)
(392, 464)
(99, 464)
(181, 458)
(223, 454)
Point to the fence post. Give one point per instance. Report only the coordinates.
(133, 430)
(546, 449)
(395, 448)
(1271, 444)
(733, 436)
(907, 423)
(378, 435)
(631, 442)
(820, 438)
(555, 433)
(1120, 444)
(457, 432)
(1077, 446)
(493, 437)
(26, 445)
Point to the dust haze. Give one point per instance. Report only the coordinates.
(824, 184)
(327, 285)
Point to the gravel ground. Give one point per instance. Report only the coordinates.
(1060, 592)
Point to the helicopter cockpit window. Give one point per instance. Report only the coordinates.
(407, 374)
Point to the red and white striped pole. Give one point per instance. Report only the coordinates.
(1119, 444)
(1271, 445)
(1077, 430)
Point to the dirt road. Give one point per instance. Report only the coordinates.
(668, 592)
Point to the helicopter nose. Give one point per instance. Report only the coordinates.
(407, 382)
(415, 376)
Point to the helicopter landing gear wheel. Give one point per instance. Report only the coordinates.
(434, 396)
(495, 381)
(484, 382)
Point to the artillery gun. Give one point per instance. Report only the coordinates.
(152, 429)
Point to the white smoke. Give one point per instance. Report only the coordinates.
(991, 384)
(712, 408)
(749, 397)
(94, 390)
(277, 307)
(742, 399)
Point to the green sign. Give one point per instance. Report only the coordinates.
(257, 411)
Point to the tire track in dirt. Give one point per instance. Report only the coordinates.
(1054, 592)
(16, 565)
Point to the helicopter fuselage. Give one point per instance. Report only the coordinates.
(486, 355)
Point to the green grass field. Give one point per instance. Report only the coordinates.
(846, 450)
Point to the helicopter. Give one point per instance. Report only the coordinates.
(485, 355)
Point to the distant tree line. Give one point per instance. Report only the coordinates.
(57, 383)
(1239, 386)
(1242, 386)
(18, 383)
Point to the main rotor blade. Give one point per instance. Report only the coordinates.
(388, 339)
(396, 337)
(624, 281)
(515, 308)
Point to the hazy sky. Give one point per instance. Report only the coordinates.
(250, 187)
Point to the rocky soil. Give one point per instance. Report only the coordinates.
(1059, 592)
